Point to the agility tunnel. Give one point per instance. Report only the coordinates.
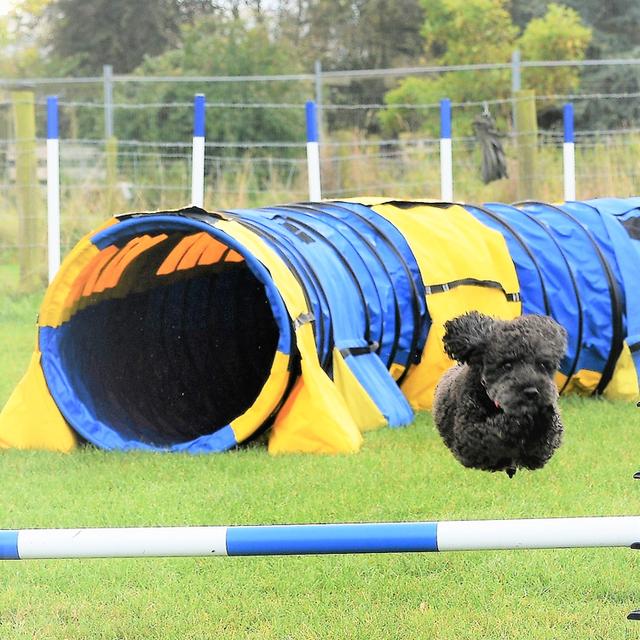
(314, 322)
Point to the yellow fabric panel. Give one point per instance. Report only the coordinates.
(315, 417)
(624, 383)
(450, 244)
(583, 382)
(362, 407)
(54, 310)
(31, 419)
(268, 398)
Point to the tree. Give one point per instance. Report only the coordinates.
(456, 32)
(21, 31)
(219, 47)
(363, 34)
(118, 32)
(559, 35)
(477, 31)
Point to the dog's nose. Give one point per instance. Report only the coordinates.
(531, 393)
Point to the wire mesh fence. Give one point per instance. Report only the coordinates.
(255, 155)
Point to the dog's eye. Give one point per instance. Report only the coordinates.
(507, 366)
(545, 366)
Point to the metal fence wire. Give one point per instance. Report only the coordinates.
(103, 174)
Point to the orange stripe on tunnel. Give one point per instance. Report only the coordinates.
(172, 261)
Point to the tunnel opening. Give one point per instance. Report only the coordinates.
(171, 338)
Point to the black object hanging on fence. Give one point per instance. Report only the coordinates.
(494, 164)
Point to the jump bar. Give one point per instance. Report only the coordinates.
(305, 539)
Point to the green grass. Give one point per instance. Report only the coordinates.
(404, 474)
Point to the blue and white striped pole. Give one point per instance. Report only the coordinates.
(313, 152)
(446, 159)
(306, 539)
(53, 188)
(197, 162)
(568, 154)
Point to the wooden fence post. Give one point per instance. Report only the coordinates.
(111, 153)
(30, 253)
(526, 126)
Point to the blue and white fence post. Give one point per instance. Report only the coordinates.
(53, 188)
(313, 151)
(568, 154)
(446, 160)
(197, 162)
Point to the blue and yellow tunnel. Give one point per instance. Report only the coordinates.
(314, 322)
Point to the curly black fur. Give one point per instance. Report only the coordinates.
(497, 410)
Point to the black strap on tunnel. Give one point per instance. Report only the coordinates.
(415, 355)
(614, 296)
(196, 213)
(496, 218)
(359, 351)
(473, 282)
(634, 347)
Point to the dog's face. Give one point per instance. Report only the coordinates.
(517, 359)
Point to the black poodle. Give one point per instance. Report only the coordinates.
(497, 410)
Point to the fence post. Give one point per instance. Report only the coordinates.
(24, 118)
(568, 154)
(516, 80)
(446, 159)
(197, 163)
(111, 151)
(313, 152)
(107, 83)
(526, 126)
(318, 86)
(53, 188)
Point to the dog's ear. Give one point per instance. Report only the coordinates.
(553, 334)
(466, 336)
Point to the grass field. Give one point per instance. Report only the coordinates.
(400, 475)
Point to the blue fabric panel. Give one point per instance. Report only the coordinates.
(615, 206)
(362, 238)
(347, 244)
(399, 242)
(332, 538)
(557, 274)
(9, 545)
(623, 258)
(529, 275)
(397, 288)
(592, 284)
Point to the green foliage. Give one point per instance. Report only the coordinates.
(118, 32)
(21, 30)
(477, 31)
(218, 47)
(559, 35)
(456, 32)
